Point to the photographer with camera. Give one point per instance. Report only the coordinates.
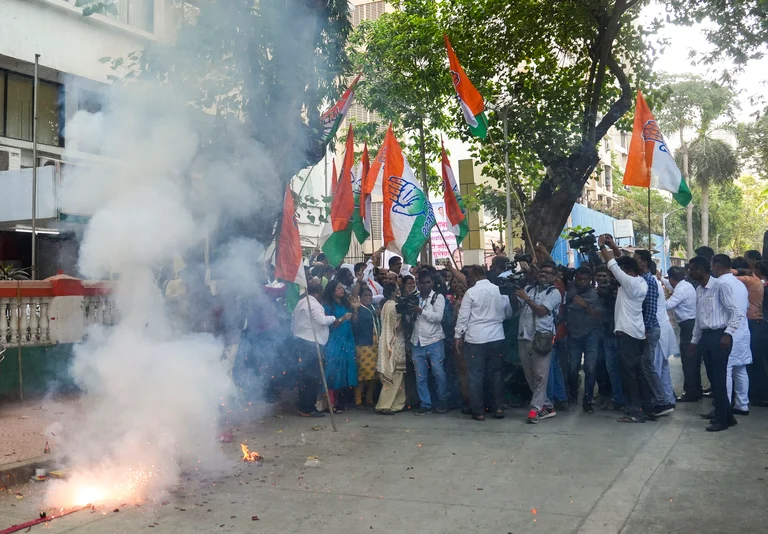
(607, 290)
(428, 345)
(583, 313)
(536, 332)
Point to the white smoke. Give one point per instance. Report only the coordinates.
(153, 393)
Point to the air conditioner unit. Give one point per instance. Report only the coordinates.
(10, 158)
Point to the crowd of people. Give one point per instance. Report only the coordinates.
(418, 339)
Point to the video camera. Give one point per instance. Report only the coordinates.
(404, 304)
(584, 242)
(511, 279)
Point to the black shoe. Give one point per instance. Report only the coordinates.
(385, 412)
(707, 393)
(731, 422)
(562, 406)
(688, 398)
(717, 427)
(466, 410)
(710, 415)
(441, 408)
(665, 409)
(587, 407)
(740, 412)
(422, 411)
(498, 414)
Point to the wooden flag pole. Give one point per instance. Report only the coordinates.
(446, 246)
(320, 362)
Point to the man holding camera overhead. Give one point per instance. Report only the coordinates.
(630, 330)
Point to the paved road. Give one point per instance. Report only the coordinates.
(438, 474)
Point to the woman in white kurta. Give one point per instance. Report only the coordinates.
(741, 353)
(666, 347)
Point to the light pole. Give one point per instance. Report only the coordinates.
(665, 267)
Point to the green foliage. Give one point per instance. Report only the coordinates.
(711, 161)
(11, 273)
(739, 31)
(405, 80)
(692, 101)
(753, 143)
(632, 203)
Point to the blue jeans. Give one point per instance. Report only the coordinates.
(423, 357)
(587, 345)
(555, 380)
(612, 364)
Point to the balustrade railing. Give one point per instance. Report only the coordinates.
(26, 310)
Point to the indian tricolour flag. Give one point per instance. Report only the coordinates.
(289, 264)
(650, 162)
(408, 215)
(332, 119)
(361, 220)
(337, 235)
(454, 205)
(470, 99)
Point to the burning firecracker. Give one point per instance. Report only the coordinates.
(249, 456)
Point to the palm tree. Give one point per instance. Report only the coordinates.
(711, 162)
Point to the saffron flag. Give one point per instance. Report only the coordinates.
(334, 178)
(470, 99)
(408, 215)
(289, 265)
(650, 162)
(332, 119)
(454, 205)
(361, 220)
(336, 236)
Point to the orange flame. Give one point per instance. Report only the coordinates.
(249, 456)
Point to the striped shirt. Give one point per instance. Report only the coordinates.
(651, 302)
(715, 309)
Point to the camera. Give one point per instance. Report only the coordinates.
(404, 304)
(584, 242)
(511, 280)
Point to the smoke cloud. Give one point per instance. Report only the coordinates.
(153, 390)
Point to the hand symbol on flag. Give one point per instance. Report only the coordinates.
(406, 198)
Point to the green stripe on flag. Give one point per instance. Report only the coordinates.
(337, 246)
(481, 130)
(415, 241)
(683, 195)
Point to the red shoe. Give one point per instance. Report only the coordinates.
(533, 417)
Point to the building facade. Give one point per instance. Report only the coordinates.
(73, 72)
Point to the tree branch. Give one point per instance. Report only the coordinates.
(620, 106)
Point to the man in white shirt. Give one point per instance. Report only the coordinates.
(682, 302)
(736, 378)
(630, 331)
(428, 346)
(310, 323)
(539, 304)
(482, 312)
(717, 320)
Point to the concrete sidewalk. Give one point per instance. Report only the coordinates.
(25, 428)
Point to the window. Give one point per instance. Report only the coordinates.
(16, 93)
(369, 11)
(137, 13)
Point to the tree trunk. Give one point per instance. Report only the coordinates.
(689, 230)
(548, 213)
(426, 253)
(704, 213)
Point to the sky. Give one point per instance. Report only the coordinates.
(674, 59)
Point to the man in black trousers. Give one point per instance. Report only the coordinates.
(717, 318)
